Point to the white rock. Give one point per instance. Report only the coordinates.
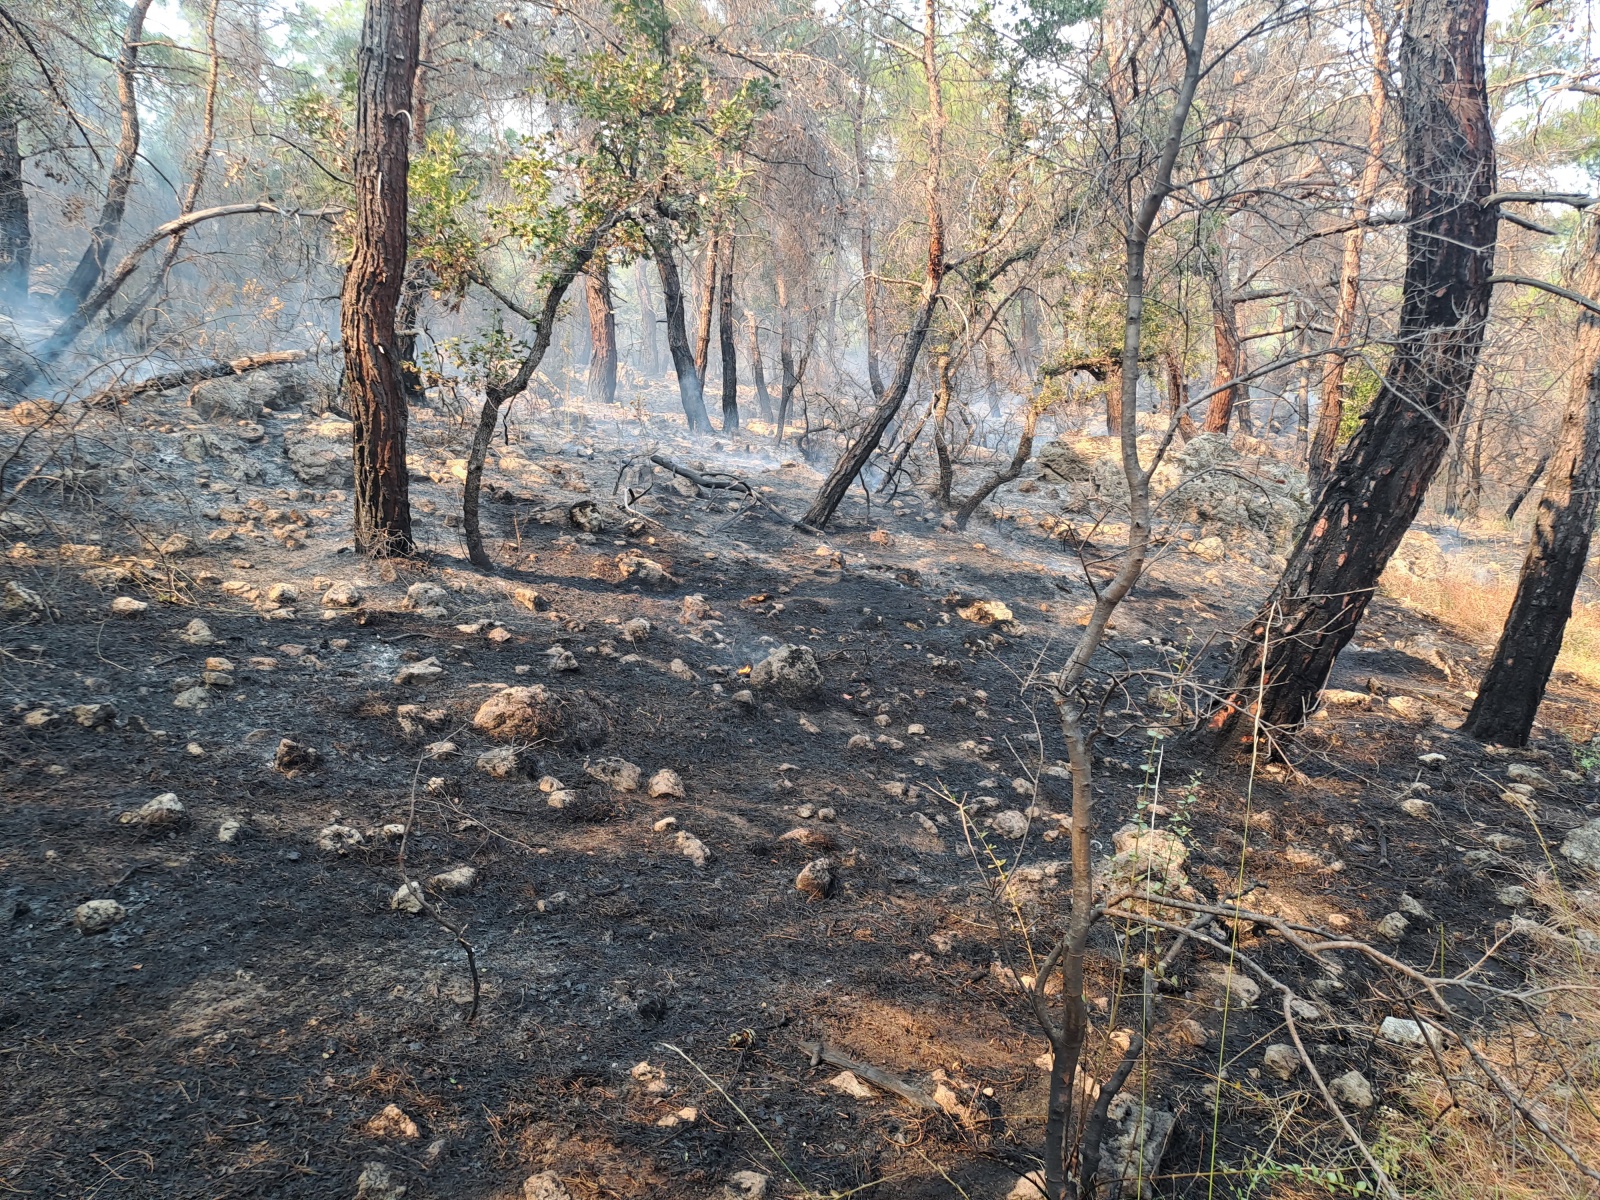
(1352, 1088)
(692, 848)
(1512, 895)
(1009, 823)
(341, 595)
(1433, 762)
(1398, 1031)
(544, 1186)
(456, 879)
(165, 811)
(420, 596)
(499, 762)
(1281, 1061)
(196, 633)
(635, 630)
(97, 916)
(622, 775)
(1416, 806)
(407, 897)
(1581, 847)
(419, 672)
(1412, 907)
(1241, 987)
(791, 671)
(378, 1182)
(666, 783)
(391, 1121)
(127, 606)
(846, 1082)
(1393, 927)
(746, 1185)
(230, 830)
(338, 839)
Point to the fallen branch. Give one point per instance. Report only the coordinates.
(189, 376)
(732, 483)
(820, 1053)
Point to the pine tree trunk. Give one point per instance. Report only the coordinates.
(86, 276)
(725, 339)
(1514, 683)
(602, 333)
(16, 231)
(386, 65)
(650, 345)
(690, 392)
(1225, 337)
(1379, 483)
(757, 376)
(708, 304)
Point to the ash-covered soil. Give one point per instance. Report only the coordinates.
(241, 1030)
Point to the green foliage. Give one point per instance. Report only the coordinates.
(1040, 24)
(442, 228)
(1361, 384)
(491, 357)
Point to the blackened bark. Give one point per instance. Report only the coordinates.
(725, 336)
(1375, 490)
(757, 376)
(16, 231)
(103, 236)
(690, 391)
(1513, 686)
(602, 333)
(1522, 492)
(405, 337)
(386, 65)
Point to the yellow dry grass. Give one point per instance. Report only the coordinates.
(1477, 610)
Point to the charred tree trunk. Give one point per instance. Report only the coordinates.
(1229, 351)
(602, 333)
(405, 338)
(758, 377)
(386, 65)
(690, 390)
(1019, 460)
(1522, 492)
(1330, 398)
(1178, 399)
(941, 414)
(1377, 487)
(650, 345)
(1513, 686)
(86, 276)
(725, 340)
(16, 230)
(869, 280)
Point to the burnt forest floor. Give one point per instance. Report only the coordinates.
(261, 1002)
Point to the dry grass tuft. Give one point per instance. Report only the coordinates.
(1477, 610)
(1461, 1139)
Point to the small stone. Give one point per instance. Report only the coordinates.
(164, 812)
(644, 570)
(1398, 1031)
(440, 750)
(679, 669)
(986, 612)
(391, 1121)
(827, 814)
(1412, 907)
(1281, 1061)
(530, 599)
(196, 633)
(41, 718)
(1513, 895)
(338, 839)
(1191, 1032)
(635, 630)
(666, 783)
(1240, 987)
(195, 697)
(1581, 847)
(283, 593)
(499, 762)
(292, 757)
(419, 672)
(817, 879)
(1532, 776)
(1407, 707)
(1009, 823)
(791, 671)
(746, 1185)
(378, 1182)
(745, 698)
(127, 606)
(1422, 810)
(915, 730)
(622, 775)
(1393, 927)
(229, 831)
(341, 595)
(562, 659)
(424, 595)
(1434, 762)
(692, 848)
(455, 880)
(846, 1082)
(407, 897)
(544, 1186)
(97, 916)
(665, 824)
(859, 741)
(94, 716)
(1352, 1088)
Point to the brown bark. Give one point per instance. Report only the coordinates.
(1380, 481)
(860, 451)
(690, 391)
(1330, 397)
(1514, 683)
(103, 236)
(708, 304)
(869, 280)
(386, 66)
(16, 230)
(1013, 469)
(1225, 337)
(725, 340)
(945, 477)
(602, 333)
(1178, 399)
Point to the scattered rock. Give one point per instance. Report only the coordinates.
(1281, 1061)
(585, 515)
(1209, 549)
(530, 599)
(666, 783)
(1143, 854)
(16, 600)
(1523, 773)
(196, 633)
(97, 916)
(196, 697)
(422, 596)
(164, 812)
(846, 1082)
(341, 595)
(407, 897)
(746, 1185)
(1581, 847)
(1354, 1089)
(127, 606)
(544, 1186)
(230, 831)
(1028, 1187)
(377, 1182)
(622, 775)
(1416, 806)
(1412, 907)
(986, 612)
(635, 630)
(338, 839)
(94, 716)
(694, 608)
(1241, 988)
(41, 718)
(1191, 1032)
(1398, 1031)
(1434, 762)
(1513, 895)
(292, 757)
(440, 750)
(454, 881)
(791, 671)
(391, 1121)
(1393, 927)
(499, 762)
(425, 671)
(537, 714)
(1009, 823)
(817, 879)
(692, 848)
(644, 570)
